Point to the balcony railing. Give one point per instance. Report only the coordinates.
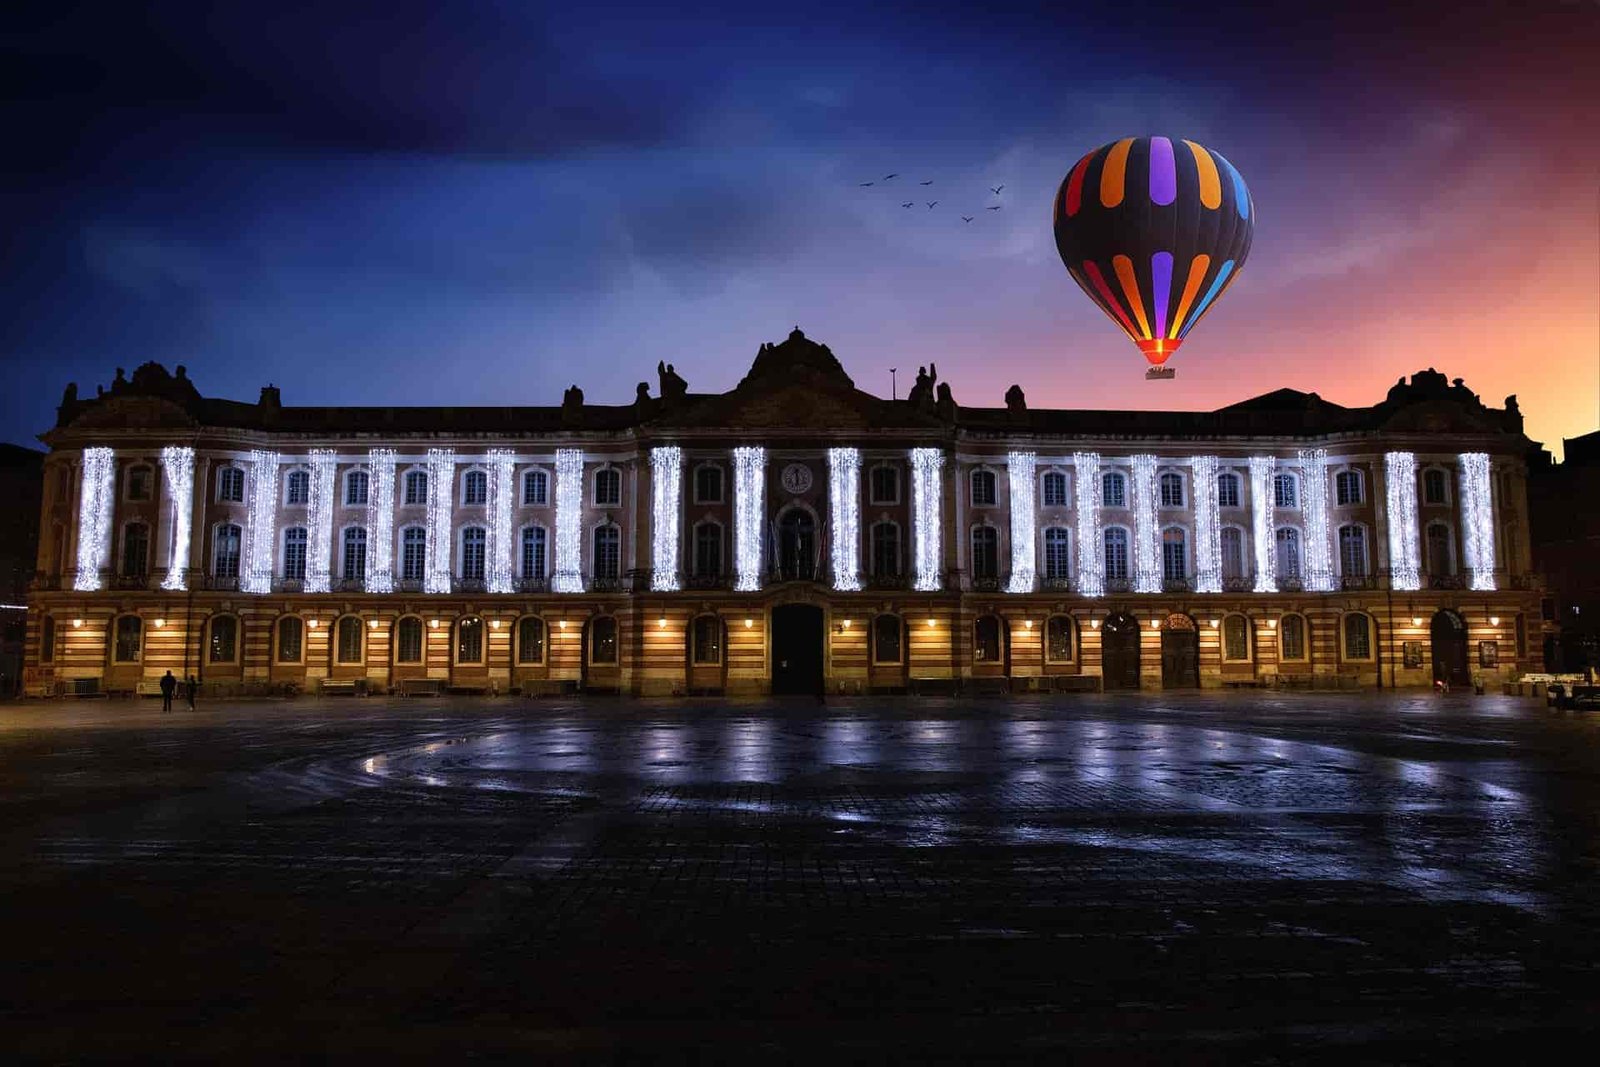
(1238, 583)
(1175, 584)
(1119, 585)
(1445, 581)
(610, 584)
(888, 581)
(985, 583)
(288, 585)
(348, 585)
(468, 585)
(707, 581)
(1060, 583)
(534, 583)
(42, 582)
(129, 581)
(1356, 582)
(220, 583)
(408, 585)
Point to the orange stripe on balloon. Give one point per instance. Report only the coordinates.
(1210, 183)
(1113, 176)
(1130, 288)
(1075, 184)
(1106, 295)
(1197, 274)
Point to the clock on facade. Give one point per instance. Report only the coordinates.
(796, 477)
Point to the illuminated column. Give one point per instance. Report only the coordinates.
(1091, 572)
(380, 522)
(261, 522)
(567, 577)
(95, 501)
(1207, 526)
(441, 511)
(844, 500)
(926, 516)
(1314, 502)
(1019, 467)
(749, 496)
(1400, 483)
(666, 512)
(1146, 540)
(1261, 504)
(1477, 519)
(319, 513)
(177, 474)
(502, 495)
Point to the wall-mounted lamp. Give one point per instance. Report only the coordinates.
(76, 623)
(1272, 624)
(1094, 624)
(494, 624)
(1215, 623)
(1494, 620)
(661, 623)
(748, 622)
(1155, 624)
(372, 624)
(312, 622)
(1416, 620)
(434, 623)
(160, 623)
(563, 624)
(931, 624)
(1027, 624)
(845, 624)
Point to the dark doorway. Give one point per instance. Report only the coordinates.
(1180, 653)
(1119, 652)
(797, 546)
(1450, 649)
(796, 649)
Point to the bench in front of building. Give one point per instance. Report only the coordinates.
(412, 687)
(356, 687)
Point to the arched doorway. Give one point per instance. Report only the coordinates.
(797, 546)
(1450, 648)
(796, 649)
(1180, 653)
(1119, 652)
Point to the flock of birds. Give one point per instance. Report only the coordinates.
(931, 204)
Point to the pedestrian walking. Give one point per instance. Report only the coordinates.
(169, 685)
(190, 689)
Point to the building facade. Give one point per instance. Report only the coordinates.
(792, 534)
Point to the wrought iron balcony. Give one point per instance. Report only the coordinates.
(533, 583)
(1291, 583)
(42, 582)
(288, 585)
(1527, 581)
(1176, 585)
(220, 583)
(468, 585)
(408, 585)
(129, 581)
(707, 581)
(1354, 582)
(610, 584)
(1119, 585)
(1060, 583)
(1445, 581)
(985, 583)
(888, 581)
(349, 585)
(1238, 583)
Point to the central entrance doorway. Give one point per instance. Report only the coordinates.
(796, 649)
(1119, 652)
(797, 546)
(1180, 653)
(1450, 649)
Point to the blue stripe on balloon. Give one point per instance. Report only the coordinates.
(1241, 195)
(1211, 294)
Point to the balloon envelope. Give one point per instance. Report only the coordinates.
(1154, 231)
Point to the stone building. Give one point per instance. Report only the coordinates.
(792, 533)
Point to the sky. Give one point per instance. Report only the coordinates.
(483, 203)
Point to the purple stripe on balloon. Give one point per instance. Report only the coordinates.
(1163, 171)
(1161, 272)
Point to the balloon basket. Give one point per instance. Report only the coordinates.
(1156, 374)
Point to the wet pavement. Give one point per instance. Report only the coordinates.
(1238, 878)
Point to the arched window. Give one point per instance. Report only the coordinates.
(135, 550)
(355, 488)
(530, 639)
(1353, 551)
(475, 488)
(1357, 636)
(1059, 643)
(607, 551)
(349, 640)
(1347, 488)
(708, 484)
(473, 542)
(127, 639)
(1435, 487)
(1054, 489)
(986, 639)
(140, 482)
(887, 631)
(1292, 637)
(1113, 490)
(294, 553)
(1235, 639)
(223, 646)
(707, 640)
(408, 640)
(1441, 561)
(416, 487)
(607, 487)
(985, 552)
(1057, 553)
(413, 553)
(355, 554)
(1116, 562)
(1171, 489)
(1227, 490)
(603, 640)
(230, 485)
(1174, 554)
(1286, 541)
(534, 540)
(886, 549)
(1285, 491)
(47, 638)
(885, 484)
(291, 639)
(469, 640)
(1231, 541)
(225, 558)
(708, 550)
(297, 487)
(535, 489)
(983, 489)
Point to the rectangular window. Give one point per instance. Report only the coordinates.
(355, 555)
(708, 640)
(708, 550)
(1227, 490)
(1347, 488)
(608, 488)
(1057, 558)
(416, 487)
(1352, 551)
(1113, 491)
(1174, 564)
(885, 485)
(139, 483)
(708, 485)
(413, 554)
(349, 643)
(535, 489)
(985, 552)
(607, 552)
(472, 551)
(1235, 638)
(1283, 491)
(983, 489)
(1055, 490)
(1117, 555)
(1172, 490)
(230, 485)
(1058, 639)
(355, 488)
(533, 547)
(294, 554)
(299, 488)
(476, 488)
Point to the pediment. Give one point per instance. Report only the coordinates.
(133, 412)
(1441, 416)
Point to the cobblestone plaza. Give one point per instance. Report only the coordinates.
(1119, 879)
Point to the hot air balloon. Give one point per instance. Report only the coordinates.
(1154, 230)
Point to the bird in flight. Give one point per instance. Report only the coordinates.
(886, 177)
(996, 189)
(928, 182)
(908, 203)
(865, 184)
(931, 203)
(995, 208)
(966, 218)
